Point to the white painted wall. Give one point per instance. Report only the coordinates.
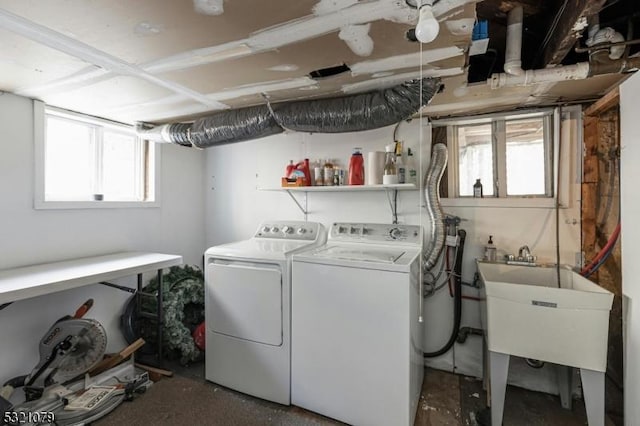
(630, 211)
(29, 236)
(235, 207)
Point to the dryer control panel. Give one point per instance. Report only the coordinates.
(289, 230)
(376, 233)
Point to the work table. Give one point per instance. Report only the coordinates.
(37, 280)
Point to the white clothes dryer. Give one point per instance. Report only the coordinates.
(248, 309)
(356, 334)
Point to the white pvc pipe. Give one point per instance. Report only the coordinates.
(514, 75)
(579, 71)
(513, 54)
(159, 134)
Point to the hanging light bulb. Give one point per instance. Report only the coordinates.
(428, 26)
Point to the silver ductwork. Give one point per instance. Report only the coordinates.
(351, 113)
(431, 186)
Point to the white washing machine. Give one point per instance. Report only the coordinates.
(248, 309)
(356, 337)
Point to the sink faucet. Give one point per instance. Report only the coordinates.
(524, 252)
(525, 258)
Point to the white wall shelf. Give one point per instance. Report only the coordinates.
(345, 188)
(394, 188)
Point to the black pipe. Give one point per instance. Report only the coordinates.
(457, 299)
(16, 382)
(466, 331)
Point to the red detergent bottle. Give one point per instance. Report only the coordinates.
(303, 166)
(290, 168)
(356, 168)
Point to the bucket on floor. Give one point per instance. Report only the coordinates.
(199, 336)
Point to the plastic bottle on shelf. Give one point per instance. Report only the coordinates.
(412, 172)
(290, 168)
(356, 168)
(303, 166)
(318, 173)
(328, 173)
(390, 175)
(401, 168)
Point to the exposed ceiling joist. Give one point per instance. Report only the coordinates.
(567, 27)
(606, 102)
(496, 10)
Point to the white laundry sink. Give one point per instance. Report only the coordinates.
(524, 313)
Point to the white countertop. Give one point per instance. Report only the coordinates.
(37, 280)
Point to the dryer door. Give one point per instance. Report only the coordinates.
(244, 300)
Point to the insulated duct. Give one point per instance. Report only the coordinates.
(349, 113)
(431, 186)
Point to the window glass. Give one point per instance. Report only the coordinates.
(69, 160)
(121, 174)
(525, 154)
(89, 159)
(475, 159)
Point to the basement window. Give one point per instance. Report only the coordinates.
(87, 162)
(512, 155)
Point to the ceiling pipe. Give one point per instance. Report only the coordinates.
(578, 71)
(513, 54)
(600, 62)
(603, 40)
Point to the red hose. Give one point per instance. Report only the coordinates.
(448, 271)
(472, 298)
(612, 240)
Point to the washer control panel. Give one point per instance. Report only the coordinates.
(289, 230)
(375, 232)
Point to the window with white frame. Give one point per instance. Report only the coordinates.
(511, 155)
(85, 159)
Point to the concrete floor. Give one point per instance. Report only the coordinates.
(447, 399)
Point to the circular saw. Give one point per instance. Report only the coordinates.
(70, 348)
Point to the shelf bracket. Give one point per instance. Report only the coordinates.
(119, 287)
(295, 200)
(393, 204)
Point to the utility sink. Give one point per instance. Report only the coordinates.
(526, 314)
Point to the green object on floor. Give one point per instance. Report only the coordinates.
(183, 307)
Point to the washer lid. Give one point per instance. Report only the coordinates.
(259, 249)
(361, 254)
(366, 256)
